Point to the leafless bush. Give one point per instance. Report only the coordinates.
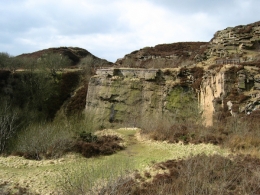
(43, 141)
(9, 122)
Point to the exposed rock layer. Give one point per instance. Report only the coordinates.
(127, 95)
(164, 55)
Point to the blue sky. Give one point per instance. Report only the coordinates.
(110, 29)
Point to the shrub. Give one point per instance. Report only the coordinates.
(87, 137)
(241, 135)
(9, 123)
(45, 140)
(105, 145)
(199, 174)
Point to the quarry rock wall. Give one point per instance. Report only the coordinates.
(128, 96)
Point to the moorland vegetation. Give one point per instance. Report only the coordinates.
(41, 120)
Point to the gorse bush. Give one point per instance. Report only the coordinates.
(87, 137)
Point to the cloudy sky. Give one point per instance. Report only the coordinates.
(110, 29)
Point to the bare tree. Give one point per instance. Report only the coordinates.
(14, 63)
(54, 62)
(4, 57)
(9, 62)
(8, 124)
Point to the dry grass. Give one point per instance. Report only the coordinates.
(199, 174)
(48, 176)
(241, 135)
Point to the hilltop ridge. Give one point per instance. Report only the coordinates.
(75, 54)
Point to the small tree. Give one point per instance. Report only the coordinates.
(8, 124)
(14, 63)
(54, 62)
(9, 62)
(4, 57)
(30, 64)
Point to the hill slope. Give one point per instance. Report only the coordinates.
(75, 54)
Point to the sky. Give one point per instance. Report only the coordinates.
(109, 29)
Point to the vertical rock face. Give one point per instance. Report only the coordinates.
(129, 96)
(231, 89)
(211, 89)
(125, 96)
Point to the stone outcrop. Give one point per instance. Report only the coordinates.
(229, 90)
(129, 96)
(211, 89)
(222, 74)
(164, 56)
(124, 95)
(235, 42)
(233, 45)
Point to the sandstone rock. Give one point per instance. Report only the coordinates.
(257, 81)
(164, 55)
(132, 95)
(234, 39)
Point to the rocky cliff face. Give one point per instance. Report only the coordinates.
(129, 96)
(235, 41)
(223, 75)
(124, 95)
(230, 90)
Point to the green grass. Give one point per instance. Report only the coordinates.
(51, 175)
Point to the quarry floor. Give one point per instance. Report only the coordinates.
(48, 176)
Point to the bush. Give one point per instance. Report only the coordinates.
(238, 134)
(45, 140)
(105, 145)
(200, 174)
(9, 123)
(87, 137)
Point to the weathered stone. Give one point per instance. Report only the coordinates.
(137, 94)
(234, 39)
(241, 81)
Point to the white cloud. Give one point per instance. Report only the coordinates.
(110, 29)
